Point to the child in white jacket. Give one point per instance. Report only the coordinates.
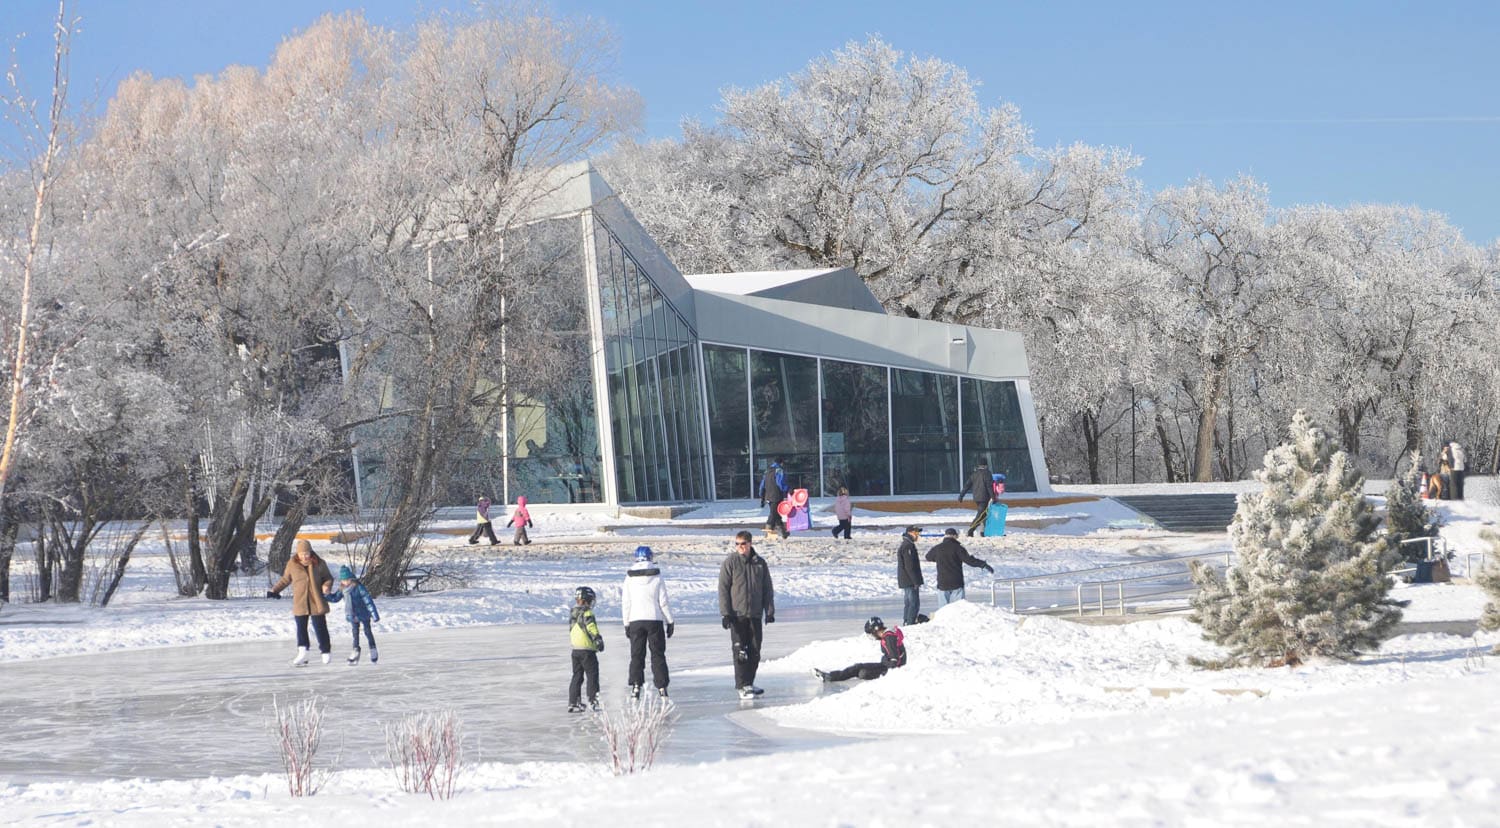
(648, 621)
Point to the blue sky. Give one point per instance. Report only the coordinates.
(1326, 102)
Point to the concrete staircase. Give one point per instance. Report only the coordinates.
(1185, 512)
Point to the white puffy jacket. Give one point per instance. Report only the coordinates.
(645, 595)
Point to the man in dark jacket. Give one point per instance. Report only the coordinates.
(979, 485)
(773, 491)
(909, 574)
(950, 557)
(745, 596)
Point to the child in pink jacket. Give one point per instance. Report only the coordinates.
(520, 519)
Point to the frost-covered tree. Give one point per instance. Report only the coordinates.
(1406, 516)
(1489, 580)
(1310, 576)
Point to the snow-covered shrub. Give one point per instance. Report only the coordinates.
(634, 736)
(426, 752)
(1310, 575)
(1406, 515)
(299, 731)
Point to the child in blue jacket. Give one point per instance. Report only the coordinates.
(359, 611)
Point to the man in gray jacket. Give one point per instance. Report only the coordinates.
(745, 596)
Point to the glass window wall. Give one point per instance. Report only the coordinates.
(924, 432)
(728, 420)
(993, 429)
(856, 429)
(784, 415)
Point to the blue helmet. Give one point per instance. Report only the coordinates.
(643, 553)
(999, 477)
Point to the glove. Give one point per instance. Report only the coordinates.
(762, 503)
(670, 628)
(989, 569)
(960, 498)
(276, 595)
(770, 619)
(530, 525)
(728, 620)
(376, 619)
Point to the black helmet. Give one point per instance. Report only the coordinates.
(584, 594)
(874, 625)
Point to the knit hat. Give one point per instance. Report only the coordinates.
(345, 573)
(643, 553)
(913, 528)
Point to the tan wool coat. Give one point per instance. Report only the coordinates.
(307, 584)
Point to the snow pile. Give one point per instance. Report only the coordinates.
(974, 666)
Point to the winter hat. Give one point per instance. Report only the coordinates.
(345, 573)
(913, 528)
(950, 532)
(643, 553)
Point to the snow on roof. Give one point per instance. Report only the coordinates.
(751, 282)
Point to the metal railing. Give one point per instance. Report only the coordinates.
(1428, 541)
(1100, 585)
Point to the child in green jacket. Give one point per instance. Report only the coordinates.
(587, 645)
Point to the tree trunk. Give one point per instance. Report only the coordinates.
(7, 550)
(281, 544)
(1350, 420)
(43, 567)
(1165, 440)
(1091, 445)
(1413, 426)
(122, 561)
(194, 536)
(1213, 387)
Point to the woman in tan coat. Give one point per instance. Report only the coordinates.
(310, 581)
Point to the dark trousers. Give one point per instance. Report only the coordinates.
(842, 527)
(1458, 484)
(867, 671)
(912, 604)
(981, 511)
(484, 529)
(641, 635)
(585, 665)
(774, 521)
(369, 634)
(320, 629)
(744, 641)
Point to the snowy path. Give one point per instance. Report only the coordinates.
(187, 712)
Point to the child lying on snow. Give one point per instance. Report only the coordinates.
(892, 654)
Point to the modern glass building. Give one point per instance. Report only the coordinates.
(685, 388)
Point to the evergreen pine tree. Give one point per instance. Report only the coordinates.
(1407, 516)
(1489, 579)
(1310, 576)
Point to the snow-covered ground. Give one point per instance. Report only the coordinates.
(1010, 719)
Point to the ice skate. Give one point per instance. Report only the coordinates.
(662, 692)
(635, 691)
(353, 658)
(747, 692)
(594, 705)
(301, 658)
(575, 707)
(820, 674)
(327, 657)
(374, 654)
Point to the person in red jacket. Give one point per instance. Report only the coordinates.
(892, 655)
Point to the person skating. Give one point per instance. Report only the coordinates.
(745, 597)
(979, 485)
(648, 621)
(950, 557)
(359, 611)
(773, 491)
(482, 525)
(521, 519)
(909, 574)
(583, 632)
(892, 655)
(308, 576)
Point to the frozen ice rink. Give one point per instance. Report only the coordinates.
(206, 710)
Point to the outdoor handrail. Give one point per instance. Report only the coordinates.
(1047, 575)
(1119, 582)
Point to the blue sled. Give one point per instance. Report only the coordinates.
(994, 520)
